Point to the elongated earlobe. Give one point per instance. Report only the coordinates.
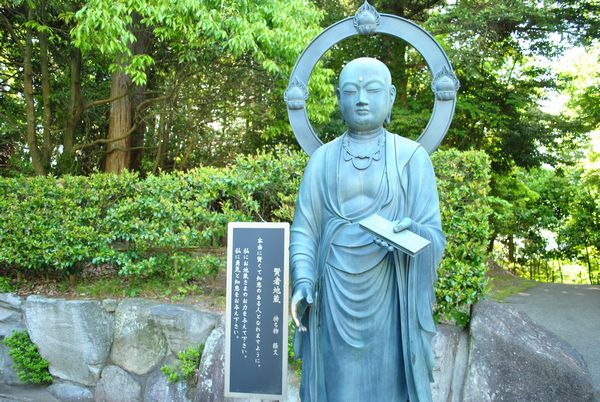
(388, 118)
(338, 95)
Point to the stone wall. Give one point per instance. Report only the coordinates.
(113, 350)
(106, 350)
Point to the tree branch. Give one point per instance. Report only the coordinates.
(12, 32)
(127, 149)
(103, 101)
(129, 132)
(105, 140)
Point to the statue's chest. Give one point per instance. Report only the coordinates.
(358, 188)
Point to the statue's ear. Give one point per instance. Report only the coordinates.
(338, 94)
(388, 118)
(392, 95)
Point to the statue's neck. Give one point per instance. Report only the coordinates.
(365, 135)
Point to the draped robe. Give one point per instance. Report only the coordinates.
(370, 326)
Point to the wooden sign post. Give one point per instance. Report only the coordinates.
(256, 336)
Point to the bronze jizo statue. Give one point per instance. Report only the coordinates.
(363, 307)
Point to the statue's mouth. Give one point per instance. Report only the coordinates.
(362, 111)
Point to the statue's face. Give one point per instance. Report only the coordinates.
(365, 94)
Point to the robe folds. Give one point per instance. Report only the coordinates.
(370, 327)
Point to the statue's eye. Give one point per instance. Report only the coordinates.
(374, 89)
(349, 91)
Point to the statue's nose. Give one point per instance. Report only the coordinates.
(362, 98)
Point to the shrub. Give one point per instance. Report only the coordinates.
(463, 185)
(6, 285)
(29, 365)
(187, 364)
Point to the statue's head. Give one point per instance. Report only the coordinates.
(365, 94)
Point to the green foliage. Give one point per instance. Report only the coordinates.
(156, 225)
(6, 285)
(29, 365)
(293, 361)
(187, 364)
(463, 184)
(547, 219)
(144, 226)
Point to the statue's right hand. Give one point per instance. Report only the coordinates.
(301, 299)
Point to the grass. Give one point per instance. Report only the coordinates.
(503, 284)
(110, 285)
(157, 288)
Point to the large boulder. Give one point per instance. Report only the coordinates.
(183, 326)
(513, 359)
(211, 373)
(11, 300)
(158, 389)
(70, 392)
(211, 383)
(8, 375)
(139, 344)
(117, 385)
(11, 320)
(450, 347)
(73, 335)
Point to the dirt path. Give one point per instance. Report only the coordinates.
(571, 312)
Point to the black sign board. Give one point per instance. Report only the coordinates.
(257, 310)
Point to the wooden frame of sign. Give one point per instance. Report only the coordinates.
(256, 329)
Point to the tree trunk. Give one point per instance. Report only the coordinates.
(30, 134)
(561, 272)
(159, 135)
(589, 264)
(137, 136)
(511, 248)
(138, 95)
(75, 103)
(163, 140)
(490, 246)
(119, 125)
(47, 111)
(123, 118)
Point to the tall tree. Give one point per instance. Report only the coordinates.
(238, 29)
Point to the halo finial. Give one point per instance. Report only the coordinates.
(296, 94)
(366, 19)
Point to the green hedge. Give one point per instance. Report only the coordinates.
(463, 185)
(157, 223)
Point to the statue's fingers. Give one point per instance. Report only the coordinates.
(390, 248)
(402, 225)
(295, 316)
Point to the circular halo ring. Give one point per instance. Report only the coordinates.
(399, 27)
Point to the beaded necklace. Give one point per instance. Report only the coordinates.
(362, 161)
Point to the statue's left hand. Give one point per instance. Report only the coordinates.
(399, 226)
(302, 298)
(402, 224)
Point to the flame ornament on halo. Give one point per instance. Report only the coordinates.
(366, 19)
(296, 95)
(444, 85)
